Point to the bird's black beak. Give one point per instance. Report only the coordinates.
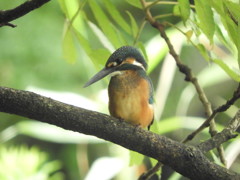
(101, 74)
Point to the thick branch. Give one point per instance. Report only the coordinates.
(21, 10)
(187, 160)
(226, 134)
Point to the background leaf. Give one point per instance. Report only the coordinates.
(184, 7)
(135, 3)
(134, 26)
(69, 50)
(232, 73)
(205, 15)
(104, 23)
(116, 15)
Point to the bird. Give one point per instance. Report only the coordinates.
(130, 89)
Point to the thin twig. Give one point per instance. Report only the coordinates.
(8, 24)
(227, 133)
(21, 10)
(139, 32)
(224, 107)
(147, 175)
(189, 76)
(160, 2)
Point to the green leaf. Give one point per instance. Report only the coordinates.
(232, 30)
(230, 16)
(63, 6)
(100, 35)
(117, 16)
(84, 43)
(205, 15)
(189, 35)
(233, 19)
(234, 9)
(99, 56)
(69, 50)
(70, 8)
(176, 10)
(135, 3)
(203, 51)
(184, 7)
(221, 37)
(234, 74)
(134, 25)
(143, 49)
(104, 23)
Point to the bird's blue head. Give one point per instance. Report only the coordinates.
(124, 58)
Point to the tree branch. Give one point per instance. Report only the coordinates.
(227, 133)
(224, 107)
(189, 75)
(187, 160)
(21, 10)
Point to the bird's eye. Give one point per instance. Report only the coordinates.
(114, 63)
(118, 61)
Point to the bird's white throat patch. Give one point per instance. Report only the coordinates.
(115, 73)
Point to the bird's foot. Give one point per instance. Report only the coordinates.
(137, 126)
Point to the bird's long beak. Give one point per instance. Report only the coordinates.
(101, 74)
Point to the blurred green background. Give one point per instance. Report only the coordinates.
(33, 57)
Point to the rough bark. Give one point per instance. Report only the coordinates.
(187, 160)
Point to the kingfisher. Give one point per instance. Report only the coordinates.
(130, 89)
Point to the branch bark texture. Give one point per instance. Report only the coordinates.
(187, 160)
(21, 10)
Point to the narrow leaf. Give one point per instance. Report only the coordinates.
(69, 50)
(203, 51)
(189, 35)
(63, 6)
(100, 35)
(184, 7)
(104, 23)
(99, 56)
(83, 42)
(232, 30)
(234, 10)
(113, 11)
(235, 75)
(205, 15)
(134, 25)
(143, 49)
(176, 10)
(135, 3)
(221, 37)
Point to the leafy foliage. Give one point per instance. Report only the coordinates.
(93, 29)
(211, 19)
(24, 163)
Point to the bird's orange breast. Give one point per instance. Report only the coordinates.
(129, 98)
